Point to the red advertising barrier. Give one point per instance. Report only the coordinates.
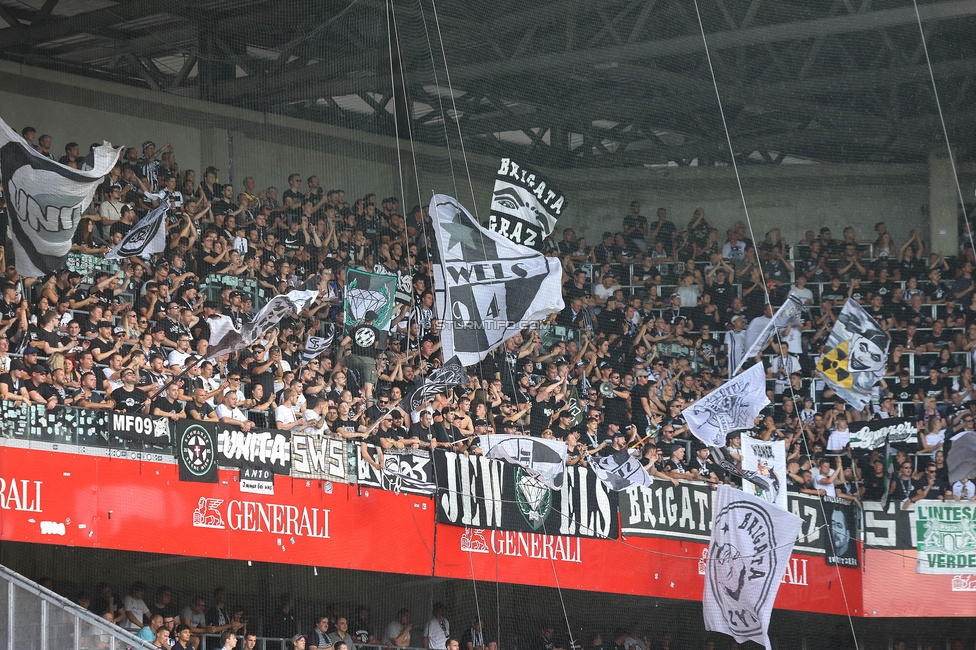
(639, 566)
(889, 574)
(100, 502)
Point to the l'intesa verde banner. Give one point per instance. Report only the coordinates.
(946, 538)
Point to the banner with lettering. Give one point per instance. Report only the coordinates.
(685, 513)
(768, 460)
(877, 433)
(524, 204)
(404, 470)
(196, 451)
(258, 453)
(314, 456)
(946, 537)
(147, 430)
(842, 518)
(481, 492)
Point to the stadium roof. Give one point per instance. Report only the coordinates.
(574, 83)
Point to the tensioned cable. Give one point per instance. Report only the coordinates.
(738, 179)
(945, 131)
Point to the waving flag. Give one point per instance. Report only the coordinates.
(524, 205)
(224, 338)
(856, 355)
(544, 459)
(620, 471)
(789, 314)
(146, 238)
(751, 544)
(487, 289)
(733, 405)
(962, 456)
(768, 460)
(316, 345)
(369, 292)
(46, 200)
(443, 379)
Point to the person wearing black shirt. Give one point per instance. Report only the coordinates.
(128, 398)
(548, 401)
(292, 198)
(903, 486)
(930, 488)
(363, 342)
(167, 406)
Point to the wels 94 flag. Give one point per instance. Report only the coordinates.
(524, 205)
(750, 548)
(487, 289)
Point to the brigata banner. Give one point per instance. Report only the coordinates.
(876, 433)
(481, 492)
(404, 470)
(314, 456)
(685, 513)
(148, 430)
(946, 537)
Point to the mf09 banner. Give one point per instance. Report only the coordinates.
(480, 492)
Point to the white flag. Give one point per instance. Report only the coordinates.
(46, 200)
(733, 405)
(767, 458)
(316, 345)
(227, 339)
(790, 313)
(544, 459)
(856, 355)
(620, 471)
(748, 553)
(487, 288)
(145, 239)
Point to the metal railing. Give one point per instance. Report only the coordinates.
(33, 617)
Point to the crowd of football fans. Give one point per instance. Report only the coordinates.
(650, 313)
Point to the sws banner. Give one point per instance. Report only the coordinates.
(404, 470)
(685, 513)
(315, 456)
(480, 492)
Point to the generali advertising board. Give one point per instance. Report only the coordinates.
(79, 500)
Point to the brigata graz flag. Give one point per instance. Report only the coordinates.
(446, 377)
(487, 289)
(524, 204)
(750, 547)
(789, 314)
(369, 292)
(145, 239)
(544, 459)
(733, 405)
(856, 355)
(46, 200)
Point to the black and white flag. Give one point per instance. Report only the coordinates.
(544, 459)
(487, 289)
(224, 338)
(760, 329)
(856, 355)
(524, 205)
(400, 482)
(876, 433)
(733, 405)
(46, 200)
(443, 379)
(748, 554)
(147, 237)
(316, 345)
(620, 471)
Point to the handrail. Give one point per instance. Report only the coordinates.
(79, 613)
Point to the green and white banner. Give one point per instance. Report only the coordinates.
(946, 538)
